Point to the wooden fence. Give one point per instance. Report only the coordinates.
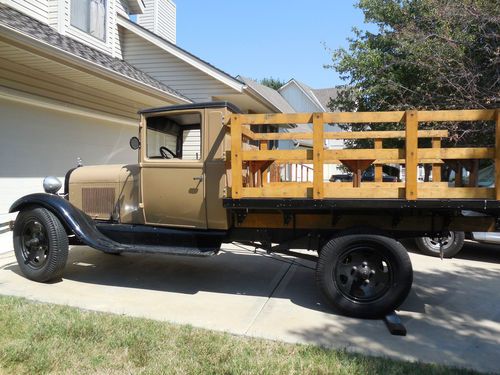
(250, 167)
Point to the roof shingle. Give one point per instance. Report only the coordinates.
(324, 96)
(271, 95)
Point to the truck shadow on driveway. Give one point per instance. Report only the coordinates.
(239, 271)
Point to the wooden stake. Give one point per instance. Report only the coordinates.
(497, 154)
(318, 155)
(236, 161)
(436, 168)
(378, 167)
(411, 119)
(265, 172)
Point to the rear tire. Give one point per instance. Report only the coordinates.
(40, 244)
(364, 275)
(452, 244)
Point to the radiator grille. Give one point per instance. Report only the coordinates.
(98, 201)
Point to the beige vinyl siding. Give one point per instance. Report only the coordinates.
(118, 42)
(191, 144)
(147, 19)
(122, 8)
(159, 17)
(171, 70)
(52, 13)
(37, 9)
(166, 20)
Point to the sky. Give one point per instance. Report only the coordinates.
(275, 38)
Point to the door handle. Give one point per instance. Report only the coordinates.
(198, 178)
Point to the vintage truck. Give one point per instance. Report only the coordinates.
(208, 174)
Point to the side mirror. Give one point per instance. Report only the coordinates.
(134, 143)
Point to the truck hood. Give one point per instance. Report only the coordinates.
(98, 174)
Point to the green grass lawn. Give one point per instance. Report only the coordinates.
(40, 338)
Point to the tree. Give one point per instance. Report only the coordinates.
(274, 83)
(427, 54)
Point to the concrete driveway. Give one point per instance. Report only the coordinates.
(452, 314)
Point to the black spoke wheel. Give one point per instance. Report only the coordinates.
(364, 275)
(40, 244)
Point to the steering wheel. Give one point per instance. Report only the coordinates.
(163, 152)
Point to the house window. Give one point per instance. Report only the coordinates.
(89, 16)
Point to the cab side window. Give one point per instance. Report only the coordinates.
(174, 137)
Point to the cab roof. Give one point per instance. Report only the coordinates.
(182, 107)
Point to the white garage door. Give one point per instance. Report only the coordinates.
(35, 142)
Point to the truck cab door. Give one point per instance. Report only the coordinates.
(172, 170)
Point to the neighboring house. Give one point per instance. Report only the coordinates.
(73, 75)
(303, 98)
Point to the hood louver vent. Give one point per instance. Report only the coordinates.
(98, 201)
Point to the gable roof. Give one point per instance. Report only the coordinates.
(306, 90)
(269, 94)
(324, 96)
(319, 97)
(11, 19)
(180, 53)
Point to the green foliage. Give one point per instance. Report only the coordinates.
(426, 54)
(274, 83)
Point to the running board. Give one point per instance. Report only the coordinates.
(167, 250)
(143, 239)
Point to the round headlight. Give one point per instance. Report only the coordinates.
(51, 184)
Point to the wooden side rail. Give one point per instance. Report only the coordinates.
(260, 161)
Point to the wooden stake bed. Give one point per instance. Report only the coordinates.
(257, 171)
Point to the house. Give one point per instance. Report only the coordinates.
(303, 98)
(75, 73)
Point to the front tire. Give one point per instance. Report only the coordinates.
(452, 243)
(40, 244)
(364, 275)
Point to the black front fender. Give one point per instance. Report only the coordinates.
(74, 219)
(183, 242)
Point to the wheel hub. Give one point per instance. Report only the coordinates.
(34, 244)
(436, 243)
(363, 274)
